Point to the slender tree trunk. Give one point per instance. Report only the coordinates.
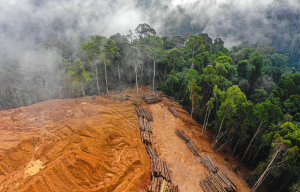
(154, 76)
(174, 65)
(82, 89)
(136, 81)
(119, 73)
(192, 108)
(252, 140)
(97, 80)
(34, 97)
(217, 137)
(70, 87)
(248, 158)
(204, 121)
(237, 143)
(221, 124)
(105, 76)
(192, 66)
(60, 92)
(142, 74)
(262, 177)
(15, 97)
(256, 154)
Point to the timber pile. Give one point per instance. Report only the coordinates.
(144, 113)
(152, 98)
(158, 184)
(172, 188)
(161, 180)
(174, 112)
(159, 168)
(209, 163)
(188, 142)
(146, 137)
(145, 125)
(218, 182)
(152, 152)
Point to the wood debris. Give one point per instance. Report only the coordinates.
(188, 142)
(174, 112)
(218, 182)
(152, 98)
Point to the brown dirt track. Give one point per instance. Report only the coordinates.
(94, 144)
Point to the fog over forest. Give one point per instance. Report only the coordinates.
(34, 21)
(232, 64)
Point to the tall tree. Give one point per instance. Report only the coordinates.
(155, 52)
(194, 90)
(79, 73)
(109, 51)
(92, 51)
(194, 46)
(144, 31)
(266, 113)
(175, 55)
(133, 58)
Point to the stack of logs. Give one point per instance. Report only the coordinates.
(145, 118)
(161, 180)
(188, 142)
(159, 184)
(209, 163)
(152, 98)
(144, 113)
(218, 182)
(174, 112)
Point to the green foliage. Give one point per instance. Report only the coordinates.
(193, 47)
(243, 69)
(224, 59)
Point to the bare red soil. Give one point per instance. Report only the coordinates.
(94, 144)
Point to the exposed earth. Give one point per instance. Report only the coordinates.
(94, 144)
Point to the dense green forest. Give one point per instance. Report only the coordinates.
(248, 94)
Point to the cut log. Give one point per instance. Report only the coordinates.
(174, 112)
(152, 98)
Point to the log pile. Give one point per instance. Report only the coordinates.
(188, 142)
(209, 163)
(174, 112)
(144, 113)
(145, 125)
(146, 137)
(172, 188)
(158, 184)
(159, 168)
(161, 180)
(218, 182)
(152, 98)
(152, 152)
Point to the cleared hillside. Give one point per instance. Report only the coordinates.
(94, 144)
